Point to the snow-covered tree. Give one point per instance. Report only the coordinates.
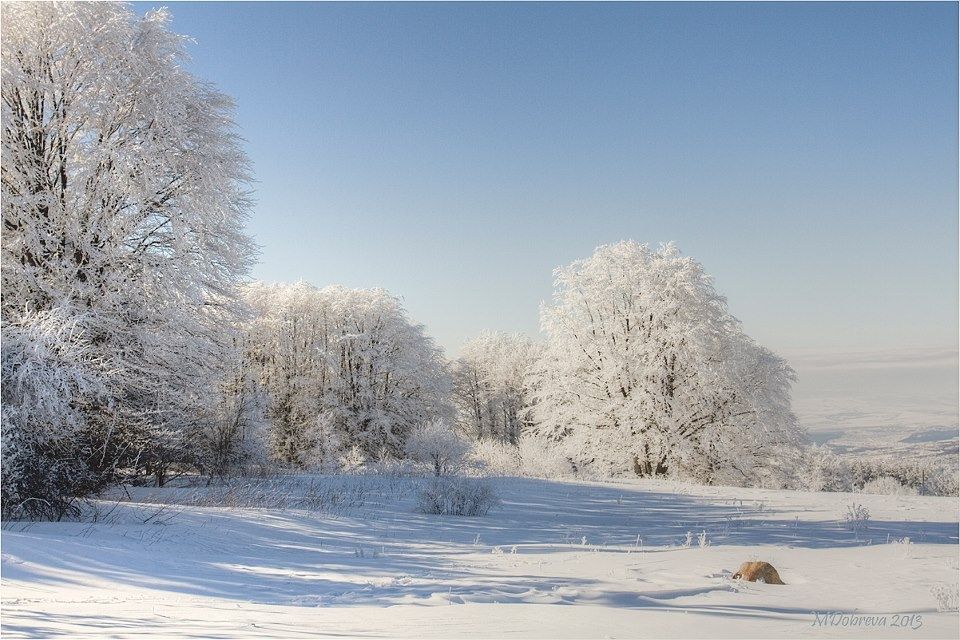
(490, 385)
(646, 371)
(234, 437)
(436, 444)
(287, 344)
(343, 362)
(124, 194)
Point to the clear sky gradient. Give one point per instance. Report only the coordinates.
(455, 154)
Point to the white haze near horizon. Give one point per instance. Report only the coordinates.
(905, 391)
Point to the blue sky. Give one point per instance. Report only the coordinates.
(455, 154)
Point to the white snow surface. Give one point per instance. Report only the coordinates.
(554, 560)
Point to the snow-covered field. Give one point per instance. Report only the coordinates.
(555, 559)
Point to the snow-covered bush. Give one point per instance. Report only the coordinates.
(46, 383)
(819, 469)
(856, 517)
(457, 496)
(824, 471)
(436, 444)
(906, 472)
(941, 481)
(887, 486)
(926, 477)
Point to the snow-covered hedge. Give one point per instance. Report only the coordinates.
(925, 477)
(819, 469)
(457, 496)
(887, 486)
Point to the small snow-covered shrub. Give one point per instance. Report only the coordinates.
(887, 486)
(824, 471)
(856, 517)
(458, 497)
(941, 481)
(438, 445)
(947, 595)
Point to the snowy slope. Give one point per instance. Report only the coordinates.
(556, 559)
